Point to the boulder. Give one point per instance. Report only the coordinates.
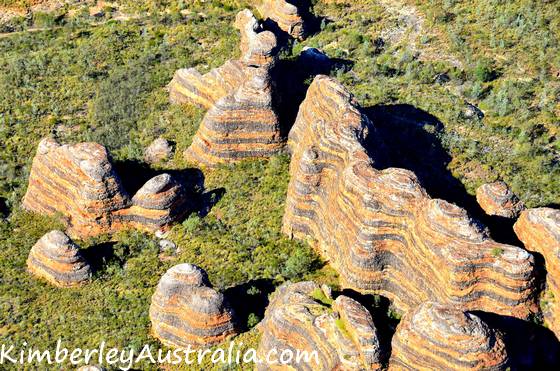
(159, 150)
(79, 182)
(439, 337)
(497, 199)
(186, 310)
(381, 230)
(539, 229)
(57, 259)
(301, 317)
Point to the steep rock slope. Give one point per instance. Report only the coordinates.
(380, 229)
(79, 182)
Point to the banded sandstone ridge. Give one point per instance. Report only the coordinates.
(79, 182)
(57, 259)
(287, 15)
(241, 121)
(497, 199)
(186, 310)
(539, 229)
(380, 229)
(437, 337)
(300, 318)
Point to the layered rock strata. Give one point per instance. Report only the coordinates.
(497, 199)
(241, 121)
(539, 229)
(186, 310)
(302, 317)
(79, 182)
(380, 229)
(438, 337)
(287, 15)
(58, 260)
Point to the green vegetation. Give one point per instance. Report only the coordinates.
(320, 296)
(104, 80)
(496, 251)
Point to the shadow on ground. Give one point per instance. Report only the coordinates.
(134, 174)
(379, 307)
(250, 299)
(410, 138)
(529, 346)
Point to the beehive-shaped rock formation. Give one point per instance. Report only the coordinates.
(287, 15)
(186, 310)
(57, 259)
(79, 182)
(300, 318)
(241, 121)
(539, 229)
(437, 337)
(497, 199)
(380, 230)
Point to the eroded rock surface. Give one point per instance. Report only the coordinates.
(287, 15)
(303, 317)
(380, 230)
(79, 182)
(539, 229)
(439, 337)
(58, 260)
(241, 121)
(497, 199)
(186, 310)
(159, 150)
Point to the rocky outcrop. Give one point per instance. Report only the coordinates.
(58, 260)
(159, 150)
(302, 317)
(287, 15)
(79, 182)
(379, 228)
(497, 199)
(439, 337)
(186, 310)
(241, 121)
(539, 229)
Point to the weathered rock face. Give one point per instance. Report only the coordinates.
(57, 259)
(439, 337)
(186, 310)
(497, 199)
(288, 15)
(298, 319)
(539, 229)
(79, 182)
(158, 151)
(241, 121)
(380, 230)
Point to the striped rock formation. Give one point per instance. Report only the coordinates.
(301, 318)
(379, 228)
(287, 15)
(539, 229)
(57, 259)
(497, 199)
(241, 121)
(79, 182)
(186, 310)
(438, 337)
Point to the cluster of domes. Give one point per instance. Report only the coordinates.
(381, 230)
(378, 228)
(79, 182)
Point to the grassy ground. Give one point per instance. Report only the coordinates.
(104, 81)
